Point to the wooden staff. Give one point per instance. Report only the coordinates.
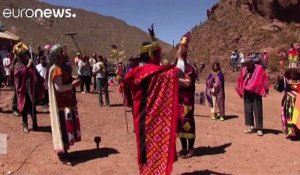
(125, 111)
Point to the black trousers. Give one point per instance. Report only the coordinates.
(29, 109)
(85, 81)
(46, 98)
(253, 104)
(187, 144)
(15, 102)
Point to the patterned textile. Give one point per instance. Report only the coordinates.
(256, 82)
(290, 107)
(72, 127)
(186, 124)
(155, 94)
(287, 111)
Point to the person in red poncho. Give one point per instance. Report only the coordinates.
(253, 84)
(154, 89)
(29, 85)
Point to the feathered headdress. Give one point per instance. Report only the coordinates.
(150, 47)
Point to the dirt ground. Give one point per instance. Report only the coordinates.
(220, 148)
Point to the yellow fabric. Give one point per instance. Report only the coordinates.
(296, 111)
(54, 113)
(187, 126)
(186, 135)
(186, 109)
(293, 58)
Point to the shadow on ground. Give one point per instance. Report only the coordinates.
(272, 131)
(204, 172)
(202, 151)
(82, 156)
(44, 129)
(229, 117)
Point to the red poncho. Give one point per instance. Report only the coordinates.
(257, 83)
(155, 98)
(28, 80)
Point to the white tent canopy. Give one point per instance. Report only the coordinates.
(9, 36)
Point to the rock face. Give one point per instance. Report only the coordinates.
(245, 25)
(285, 10)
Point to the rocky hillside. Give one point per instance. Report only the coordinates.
(95, 32)
(245, 25)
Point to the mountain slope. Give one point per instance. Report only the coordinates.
(95, 32)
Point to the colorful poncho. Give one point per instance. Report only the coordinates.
(256, 82)
(155, 95)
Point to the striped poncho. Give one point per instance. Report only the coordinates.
(256, 82)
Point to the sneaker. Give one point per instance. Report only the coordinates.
(222, 118)
(249, 131)
(25, 129)
(16, 113)
(214, 117)
(83, 92)
(259, 133)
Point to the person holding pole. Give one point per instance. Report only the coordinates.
(29, 85)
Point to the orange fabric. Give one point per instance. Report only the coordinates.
(64, 99)
(56, 72)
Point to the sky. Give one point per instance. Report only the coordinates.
(171, 18)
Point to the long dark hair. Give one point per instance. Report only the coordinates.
(217, 64)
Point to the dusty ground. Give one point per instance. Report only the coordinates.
(221, 147)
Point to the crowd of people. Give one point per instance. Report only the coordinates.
(237, 59)
(161, 95)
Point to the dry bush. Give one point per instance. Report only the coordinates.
(273, 63)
